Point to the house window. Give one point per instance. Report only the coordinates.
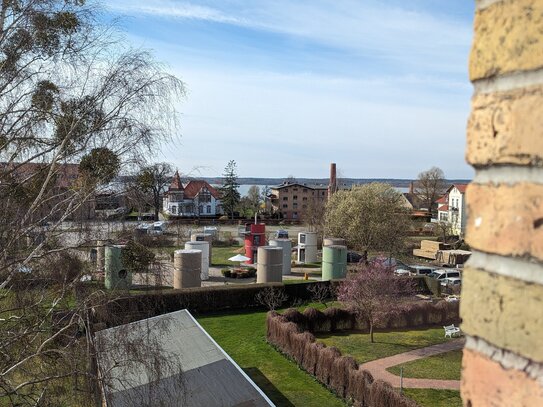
(285, 205)
(294, 189)
(304, 206)
(285, 198)
(294, 215)
(295, 197)
(208, 209)
(322, 193)
(174, 209)
(304, 198)
(204, 196)
(295, 205)
(304, 190)
(286, 189)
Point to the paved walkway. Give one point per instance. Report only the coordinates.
(378, 367)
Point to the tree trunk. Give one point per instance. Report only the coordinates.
(371, 332)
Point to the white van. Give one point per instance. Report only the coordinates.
(422, 270)
(442, 274)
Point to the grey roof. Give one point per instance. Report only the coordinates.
(193, 370)
(291, 184)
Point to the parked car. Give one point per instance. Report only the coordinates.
(391, 262)
(422, 270)
(353, 257)
(451, 281)
(281, 234)
(403, 272)
(442, 274)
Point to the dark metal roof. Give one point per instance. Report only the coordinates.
(197, 372)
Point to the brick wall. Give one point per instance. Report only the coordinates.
(502, 298)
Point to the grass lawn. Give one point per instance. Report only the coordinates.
(445, 366)
(358, 345)
(220, 256)
(298, 281)
(391, 343)
(435, 398)
(243, 337)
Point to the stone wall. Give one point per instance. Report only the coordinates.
(502, 297)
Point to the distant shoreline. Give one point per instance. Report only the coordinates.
(396, 182)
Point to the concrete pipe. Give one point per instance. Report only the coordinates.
(187, 267)
(204, 247)
(269, 267)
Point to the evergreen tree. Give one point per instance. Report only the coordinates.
(230, 196)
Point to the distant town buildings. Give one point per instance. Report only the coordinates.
(291, 200)
(195, 198)
(452, 208)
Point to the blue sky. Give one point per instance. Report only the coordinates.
(286, 87)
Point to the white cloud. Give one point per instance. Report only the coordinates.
(273, 125)
(367, 28)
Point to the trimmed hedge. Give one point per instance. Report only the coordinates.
(291, 334)
(199, 300)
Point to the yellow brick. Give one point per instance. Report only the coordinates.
(486, 383)
(508, 37)
(506, 220)
(504, 311)
(506, 128)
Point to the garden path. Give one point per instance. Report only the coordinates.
(378, 367)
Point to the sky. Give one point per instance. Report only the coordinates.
(286, 87)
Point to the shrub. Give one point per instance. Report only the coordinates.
(226, 272)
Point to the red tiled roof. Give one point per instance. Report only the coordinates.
(443, 208)
(194, 187)
(443, 199)
(461, 187)
(176, 184)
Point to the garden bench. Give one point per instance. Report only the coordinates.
(451, 330)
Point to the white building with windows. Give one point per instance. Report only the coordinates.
(452, 208)
(195, 198)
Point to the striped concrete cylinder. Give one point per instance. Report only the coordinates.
(117, 277)
(286, 245)
(187, 266)
(204, 247)
(334, 262)
(330, 241)
(204, 237)
(269, 268)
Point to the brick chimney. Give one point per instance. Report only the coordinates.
(332, 186)
(411, 188)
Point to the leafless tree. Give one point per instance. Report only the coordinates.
(272, 298)
(152, 181)
(70, 92)
(314, 215)
(320, 293)
(430, 185)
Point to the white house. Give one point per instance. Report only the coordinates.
(452, 208)
(195, 198)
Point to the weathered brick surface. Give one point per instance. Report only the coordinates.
(507, 38)
(504, 311)
(506, 128)
(506, 220)
(486, 383)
